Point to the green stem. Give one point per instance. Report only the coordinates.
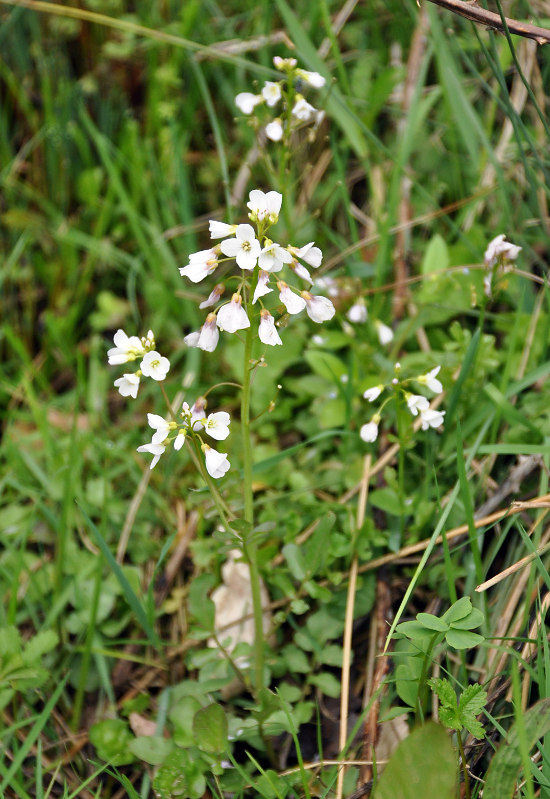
(223, 510)
(464, 766)
(250, 546)
(421, 695)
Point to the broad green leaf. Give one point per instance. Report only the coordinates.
(423, 765)
(444, 690)
(153, 749)
(436, 257)
(295, 559)
(474, 619)
(210, 728)
(463, 639)
(112, 739)
(506, 763)
(327, 683)
(432, 622)
(461, 608)
(181, 715)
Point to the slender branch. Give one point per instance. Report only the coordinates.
(475, 13)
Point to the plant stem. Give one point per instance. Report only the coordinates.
(464, 766)
(250, 546)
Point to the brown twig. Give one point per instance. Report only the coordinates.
(481, 16)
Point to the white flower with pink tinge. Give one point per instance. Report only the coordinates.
(267, 331)
(245, 247)
(127, 348)
(200, 265)
(214, 296)
(309, 253)
(233, 317)
(209, 334)
(292, 302)
(500, 248)
(319, 309)
(216, 462)
(261, 286)
(264, 206)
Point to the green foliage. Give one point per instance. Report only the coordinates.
(461, 715)
(21, 663)
(454, 626)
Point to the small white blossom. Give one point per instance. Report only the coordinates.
(214, 296)
(161, 427)
(192, 339)
(197, 413)
(209, 334)
(431, 418)
(385, 333)
(309, 253)
(358, 312)
(273, 257)
(155, 365)
(220, 229)
(301, 271)
(246, 102)
(274, 130)
(369, 431)
(284, 64)
(127, 348)
(216, 462)
(500, 248)
(233, 317)
(313, 78)
(245, 247)
(217, 425)
(264, 206)
(292, 302)
(128, 385)
(200, 265)
(302, 110)
(267, 331)
(179, 440)
(261, 286)
(430, 380)
(271, 93)
(319, 309)
(416, 402)
(373, 393)
(155, 449)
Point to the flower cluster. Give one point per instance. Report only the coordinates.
(498, 260)
(130, 348)
(417, 404)
(295, 108)
(193, 420)
(259, 259)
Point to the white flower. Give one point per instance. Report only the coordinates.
(220, 229)
(373, 393)
(217, 425)
(127, 348)
(284, 64)
(500, 248)
(274, 130)
(301, 271)
(161, 427)
(214, 296)
(128, 385)
(216, 462)
(273, 257)
(328, 284)
(197, 413)
(416, 402)
(291, 301)
(233, 317)
(192, 339)
(154, 365)
(358, 312)
(200, 265)
(319, 309)
(431, 418)
(385, 333)
(209, 334)
(271, 93)
(155, 449)
(245, 247)
(246, 102)
(261, 286)
(431, 381)
(179, 440)
(267, 331)
(309, 253)
(369, 431)
(313, 78)
(302, 110)
(264, 206)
